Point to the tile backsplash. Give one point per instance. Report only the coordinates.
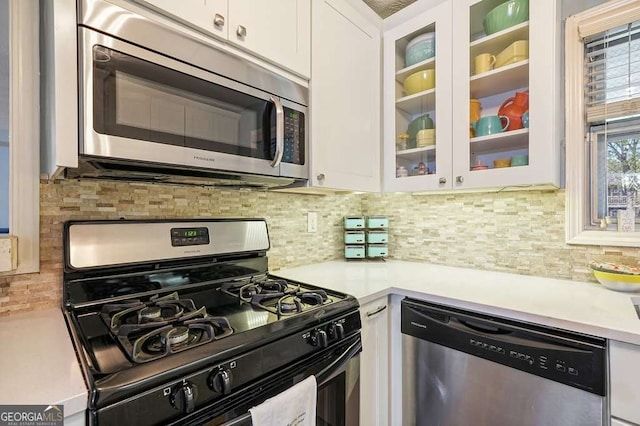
(521, 232)
(291, 245)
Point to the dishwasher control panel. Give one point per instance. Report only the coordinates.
(573, 359)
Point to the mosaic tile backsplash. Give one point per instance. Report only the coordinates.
(520, 232)
(291, 245)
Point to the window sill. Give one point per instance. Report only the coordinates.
(606, 238)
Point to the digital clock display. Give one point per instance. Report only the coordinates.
(189, 236)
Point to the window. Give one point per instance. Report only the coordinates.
(19, 130)
(603, 125)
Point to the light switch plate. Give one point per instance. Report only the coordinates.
(8, 253)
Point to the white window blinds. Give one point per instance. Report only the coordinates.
(612, 74)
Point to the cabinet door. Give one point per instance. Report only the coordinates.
(374, 363)
(278, 31)
(345, 99)
(197, 13)
(417, 135)
(520, 74)
(624, 359)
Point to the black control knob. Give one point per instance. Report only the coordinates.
(184, 396)
(319, 338)
(220, 381)
(336, 331)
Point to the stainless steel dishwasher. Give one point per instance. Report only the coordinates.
(462, 368)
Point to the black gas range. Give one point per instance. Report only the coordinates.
(179, 322)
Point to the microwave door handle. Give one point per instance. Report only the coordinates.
(279, 132)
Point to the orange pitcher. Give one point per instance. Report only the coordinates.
(513, 108)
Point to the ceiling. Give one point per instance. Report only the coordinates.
(386, 8)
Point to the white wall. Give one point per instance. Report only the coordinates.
(4, 185)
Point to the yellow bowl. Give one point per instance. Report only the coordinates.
(618, 282)
(426, 137)
(420, 81)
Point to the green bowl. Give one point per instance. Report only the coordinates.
(506, 15)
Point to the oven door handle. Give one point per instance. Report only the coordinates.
(328, 372)
(325, 374)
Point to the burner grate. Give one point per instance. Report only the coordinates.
(161, 326)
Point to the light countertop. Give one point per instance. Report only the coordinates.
(39, 365)
(578, 306)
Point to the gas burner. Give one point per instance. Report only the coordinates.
(157, 309)
(288, 305)
(313, 298)
(275, 286)
(150, 313)
(165, 339)
(247, 289)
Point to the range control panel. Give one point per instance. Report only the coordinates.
(573, 359)
(189, 236)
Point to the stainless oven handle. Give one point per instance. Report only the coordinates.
(279, 131)
(350, 352)
(328, 371)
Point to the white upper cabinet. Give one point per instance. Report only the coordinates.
(490, 73)
(345, 99)
(278, 32)
(418, 160)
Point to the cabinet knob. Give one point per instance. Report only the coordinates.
(459, 179)
(241, 31)
(321, 177)
(218, 20)
(442, 181)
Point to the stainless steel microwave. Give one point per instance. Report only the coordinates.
(162, 100)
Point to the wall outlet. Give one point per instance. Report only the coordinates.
(312, 222)
(8, 253)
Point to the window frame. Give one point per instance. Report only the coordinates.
(24, 130)
(578, 153)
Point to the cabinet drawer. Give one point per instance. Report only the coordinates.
(377, 237)
(374, 222)
(354, 222)
(354, 252)
(354, 237)
(377, 250)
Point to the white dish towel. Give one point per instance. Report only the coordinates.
(294, 407)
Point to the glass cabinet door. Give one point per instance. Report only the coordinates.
(507, 125)
(417, 75)
(494, 92)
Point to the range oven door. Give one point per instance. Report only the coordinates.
(144, 107)
(338, 377)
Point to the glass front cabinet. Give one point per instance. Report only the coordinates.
(489, 116)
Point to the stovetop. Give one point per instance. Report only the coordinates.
(121, 334)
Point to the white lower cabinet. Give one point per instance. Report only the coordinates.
(624, 360)
(374, 363)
